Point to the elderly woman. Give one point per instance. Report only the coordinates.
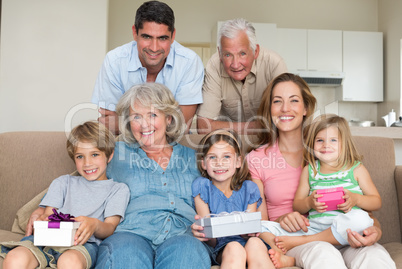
(155, 232)
(276, 164)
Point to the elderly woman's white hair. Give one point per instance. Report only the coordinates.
(231, 28)
(150, 94)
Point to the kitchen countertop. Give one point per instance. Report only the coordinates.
(391, 132)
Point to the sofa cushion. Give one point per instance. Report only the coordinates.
(398, 183)
(29, 161)
(23, 214)
(395, 250)
(379, 159)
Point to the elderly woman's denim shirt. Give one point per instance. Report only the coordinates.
(160, 201)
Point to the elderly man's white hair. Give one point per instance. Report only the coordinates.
(231, 28)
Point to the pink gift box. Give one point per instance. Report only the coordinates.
(331, 197)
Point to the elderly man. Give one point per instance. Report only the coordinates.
(153, 56)
(235, 78)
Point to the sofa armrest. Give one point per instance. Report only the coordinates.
(24, 213)
(398, 183)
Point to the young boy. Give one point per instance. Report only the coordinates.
(99, 203)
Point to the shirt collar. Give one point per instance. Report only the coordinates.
(170, 58)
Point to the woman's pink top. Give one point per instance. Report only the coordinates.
(280, 180)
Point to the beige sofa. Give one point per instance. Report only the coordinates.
(29, 161)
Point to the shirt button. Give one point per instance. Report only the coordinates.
(166, 231)
(168, 219)
(164, 184)
(171, 203)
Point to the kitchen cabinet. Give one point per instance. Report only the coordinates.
(266, 35)
(324, 50)
(292, 47)
(310, 50)
(363, 67)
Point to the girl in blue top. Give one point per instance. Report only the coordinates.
(225, 186)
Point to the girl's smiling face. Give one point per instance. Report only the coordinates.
(221, 162)
(327, 145)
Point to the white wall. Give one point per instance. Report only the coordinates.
(51, 52)
(390, 21)
(195, 19)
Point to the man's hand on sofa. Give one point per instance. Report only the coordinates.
(34, 216)
(370, 236)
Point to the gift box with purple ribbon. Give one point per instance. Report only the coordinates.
(227, 224)
(59, 231)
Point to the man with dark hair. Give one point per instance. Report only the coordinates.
(153, 56)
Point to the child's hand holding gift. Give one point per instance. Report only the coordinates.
(319, 206)
(87, 228)
(43, 217)
(197, 233)
(92, 226)
(351, 200)
(197, 230)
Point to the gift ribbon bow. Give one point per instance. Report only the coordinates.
(236, 214)
(57, 217)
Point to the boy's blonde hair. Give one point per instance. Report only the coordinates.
(348, 154)
(91, 132)
(230, 137)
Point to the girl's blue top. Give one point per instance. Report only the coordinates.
(218, 202)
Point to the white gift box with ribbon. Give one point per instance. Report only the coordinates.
(45, 235)
(227, 224)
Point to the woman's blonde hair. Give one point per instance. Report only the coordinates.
(91, 132)
(348, 154)
(269, 133)
(230, 137)
(150, 94)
